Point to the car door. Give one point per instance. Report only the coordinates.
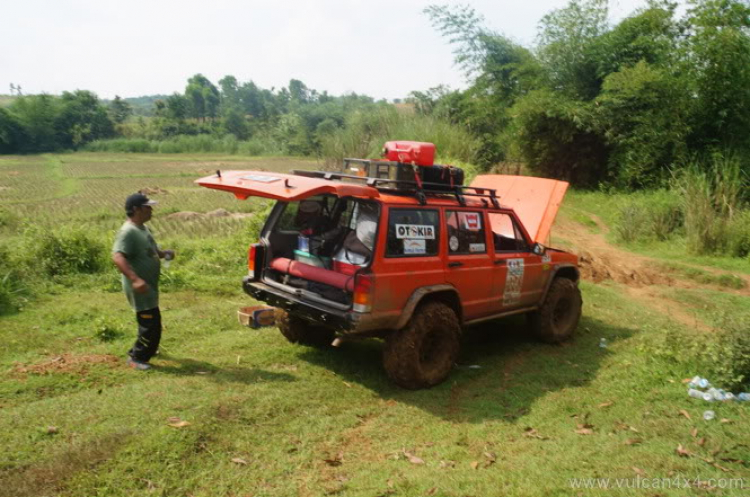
(518, 273)
(468, 263)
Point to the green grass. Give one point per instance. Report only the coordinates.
(580, 205)
(705, 277)
(74, 420)
(316, 422)
(713, 306)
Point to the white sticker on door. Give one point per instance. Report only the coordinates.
(415, 231)
(513, 282)
(453, 243)
(470, 221)
(415, 247)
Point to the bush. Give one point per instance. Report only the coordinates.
(8, 219)
(366, 132)
(65, 251)
(227, 144)
(738, 234)
(255, 225)
(722, 356)
(12, 287)
(713, 204)
(655, 215)
(131, 145)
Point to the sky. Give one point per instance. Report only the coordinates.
(381, 48)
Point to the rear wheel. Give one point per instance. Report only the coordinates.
(558, 317)
(423, 353)
(303, 332)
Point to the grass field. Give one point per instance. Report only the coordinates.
(230, 411)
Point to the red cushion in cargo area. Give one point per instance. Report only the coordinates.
(313, 273)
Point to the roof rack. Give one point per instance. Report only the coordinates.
(408, 187)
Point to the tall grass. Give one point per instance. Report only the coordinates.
(715, 206)
(365, 133)
(12, 287)
(228, 144)
(655, 215)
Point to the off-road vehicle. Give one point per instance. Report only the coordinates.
(378, 251)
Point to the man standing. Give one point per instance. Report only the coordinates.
(136, 255)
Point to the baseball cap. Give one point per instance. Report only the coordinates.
(137, 200)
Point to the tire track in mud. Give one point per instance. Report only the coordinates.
(640, 276)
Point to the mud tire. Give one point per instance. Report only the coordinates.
(558, 317)
(303, 332)
(422, 354)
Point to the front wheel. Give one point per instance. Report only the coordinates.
(422, 354)
(303, 332)
(558, 317)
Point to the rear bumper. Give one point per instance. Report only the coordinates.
(346, 322)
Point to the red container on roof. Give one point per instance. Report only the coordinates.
(419, 153)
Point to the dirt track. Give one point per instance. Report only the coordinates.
(640, 276)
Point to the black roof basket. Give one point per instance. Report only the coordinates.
(409, 187)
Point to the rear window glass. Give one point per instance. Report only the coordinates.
(465, 232)
(306, 216)
(412, 233)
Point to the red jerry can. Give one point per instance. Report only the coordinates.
(419, 153)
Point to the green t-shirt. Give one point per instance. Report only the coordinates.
(140, 249)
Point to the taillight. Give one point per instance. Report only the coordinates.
(252, 253)
(363, 293)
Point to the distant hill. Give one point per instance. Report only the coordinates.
(142, 106)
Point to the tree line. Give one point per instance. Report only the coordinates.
(296, 116)
(589, 102)
(597, 103)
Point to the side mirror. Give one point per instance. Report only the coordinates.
(538, 249)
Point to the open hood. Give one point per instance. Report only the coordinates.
(535, 200)
(278, 186)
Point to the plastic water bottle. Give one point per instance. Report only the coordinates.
(743, 397)
(729, 396)
(709, 415)
(716, 394)
(698, 382)
(603, 343)
(303, 243)
(167, 260)
(697, 394)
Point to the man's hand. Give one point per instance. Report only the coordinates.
(140, 286)
(168, 254)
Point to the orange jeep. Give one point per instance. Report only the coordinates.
(345, 255)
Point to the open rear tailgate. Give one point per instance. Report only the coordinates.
(535, 200)
(279, 186)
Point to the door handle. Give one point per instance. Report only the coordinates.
(499, 262)
(455, 264)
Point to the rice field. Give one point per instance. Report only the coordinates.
(89, 189)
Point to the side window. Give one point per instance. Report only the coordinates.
(506, 234)
(412, 233)
(465, 232)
